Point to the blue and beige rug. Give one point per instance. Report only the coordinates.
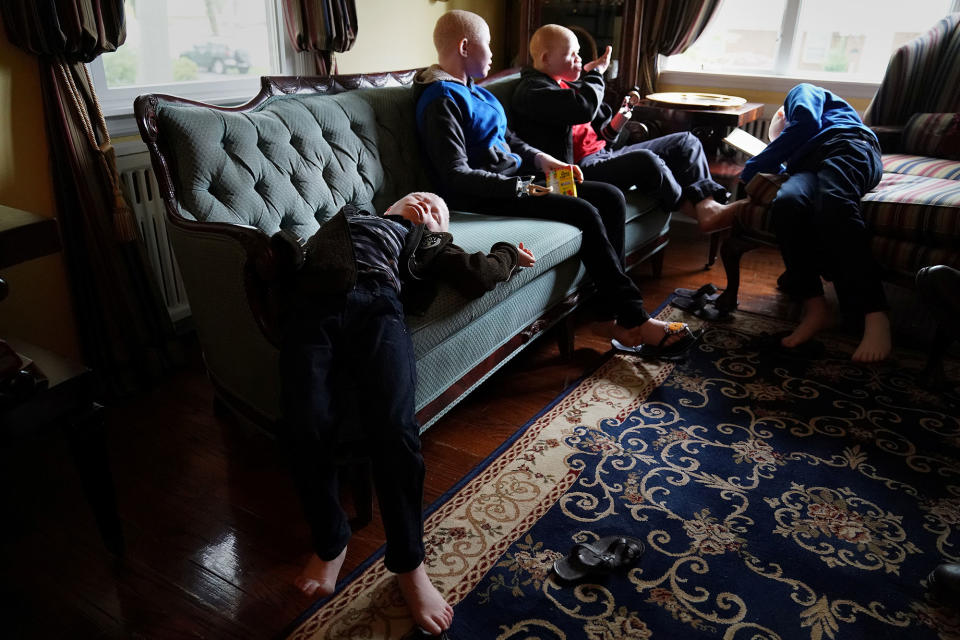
(777, 497)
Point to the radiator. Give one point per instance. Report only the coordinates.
(758, 128)
(140, 189)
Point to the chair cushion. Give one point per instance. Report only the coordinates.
(933, 134)
(921, 166)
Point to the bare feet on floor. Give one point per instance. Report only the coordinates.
(650, 332)
(817, 315)
(319, 577)
(428, 608)
(712, 216)
(876, 343)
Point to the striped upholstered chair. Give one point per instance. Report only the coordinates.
(914, 213)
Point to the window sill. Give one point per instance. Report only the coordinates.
(847, 89)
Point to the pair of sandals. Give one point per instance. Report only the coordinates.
(700, 302)
(663, 351)
(603, 557)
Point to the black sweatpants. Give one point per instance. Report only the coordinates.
(599, 212)
(816, 217)
(347, 363)
(670, 168)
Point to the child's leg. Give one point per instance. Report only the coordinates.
(384, 367)
(308, 434)
(817, 316)
(793, 222)
(634, 165)
(851, 166)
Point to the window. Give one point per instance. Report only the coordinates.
(809, 39)
(209, 50)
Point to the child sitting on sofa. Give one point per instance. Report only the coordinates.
(347, 363)
(558, 107)
(832, 159)
(479, 165)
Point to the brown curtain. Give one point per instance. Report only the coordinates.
(125, 332)
(669, 27)
(322, 27)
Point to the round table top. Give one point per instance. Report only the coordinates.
(681, 99)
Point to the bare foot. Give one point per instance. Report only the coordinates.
(876, 343)
(650, 332)
(319, 577)
(712, 216)
(428, 608)
(817, 315)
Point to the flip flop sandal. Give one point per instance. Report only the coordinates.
(705, 290)
(599, 558)
(417, 633)
(693, 304)
(664, 351)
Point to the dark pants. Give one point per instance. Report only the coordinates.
(670, 168)
(599, 212)
(816, 217)
(347, 365)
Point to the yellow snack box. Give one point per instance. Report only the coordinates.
(562, 181)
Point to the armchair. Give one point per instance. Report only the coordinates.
(914, 213)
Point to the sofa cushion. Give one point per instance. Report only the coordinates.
(921, 166)
(268, 168)
(456, 333)
(915, 208)
(902, 206)
(933, 134)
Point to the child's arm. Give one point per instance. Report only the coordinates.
(804, 108)
(542, 99)
(474, 274)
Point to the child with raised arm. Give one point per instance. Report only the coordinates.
(347, 362)
(558, 107)
(832, 159)
(480, 165)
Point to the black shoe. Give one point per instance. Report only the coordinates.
(939, 287)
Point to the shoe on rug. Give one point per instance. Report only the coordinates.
(664, 351)
(944, 584)
(599, 558)
(705, 291)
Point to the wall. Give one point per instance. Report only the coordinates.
(38, 308)
(399, 35)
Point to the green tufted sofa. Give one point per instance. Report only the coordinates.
(291, 158)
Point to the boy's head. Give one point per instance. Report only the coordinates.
(556, 52)
(777, 124)
(462, 40)
(424, 208)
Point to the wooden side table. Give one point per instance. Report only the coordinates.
(53, 392)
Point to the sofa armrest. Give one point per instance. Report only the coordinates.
(890, 137)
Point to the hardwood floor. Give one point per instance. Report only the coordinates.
(213, 529)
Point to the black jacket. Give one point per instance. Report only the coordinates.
(544, 113)
(325, 264)
(445, 134)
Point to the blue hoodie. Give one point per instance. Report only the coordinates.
(813, 116)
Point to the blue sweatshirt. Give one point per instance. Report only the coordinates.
(813, 116)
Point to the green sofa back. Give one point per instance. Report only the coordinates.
(267, 168)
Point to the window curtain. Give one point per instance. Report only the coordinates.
(126, 335)
(669, 27)
(322, 27)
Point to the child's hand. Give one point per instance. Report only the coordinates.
(525, 257)
(548, 163)
(601, 63)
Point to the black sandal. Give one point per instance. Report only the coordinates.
(664, 351)
(599, 558)
(708, 289)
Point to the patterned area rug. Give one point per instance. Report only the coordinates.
(777, 496)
